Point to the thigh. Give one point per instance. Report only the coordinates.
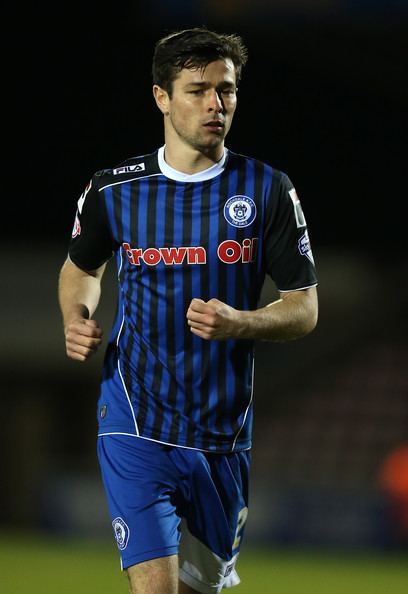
(214, 514)
(157, 576)
(139, 483)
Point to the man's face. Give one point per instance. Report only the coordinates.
(202, 105)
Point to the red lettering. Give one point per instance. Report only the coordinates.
(133, 254)
(246, 251)
(196, 255)
(229, 251)
(173, 255)
(151, 256)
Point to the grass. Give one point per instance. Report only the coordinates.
(46, 565)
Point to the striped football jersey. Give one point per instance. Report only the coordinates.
(215, 234)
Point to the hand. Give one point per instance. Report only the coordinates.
(82, 338)
(213, 320)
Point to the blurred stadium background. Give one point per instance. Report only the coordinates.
(324, 98)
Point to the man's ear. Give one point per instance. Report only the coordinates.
(162, 99)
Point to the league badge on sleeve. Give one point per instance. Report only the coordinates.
(304, 246)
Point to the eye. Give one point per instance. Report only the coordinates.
(197, 92)
(228, 92)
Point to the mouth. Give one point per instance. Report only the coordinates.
(214, 126)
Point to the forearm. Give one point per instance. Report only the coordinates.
(288, 318)
(78, 292)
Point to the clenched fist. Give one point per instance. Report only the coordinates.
(213, 320)
(82, 338)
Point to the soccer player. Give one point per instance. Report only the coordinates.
(194, 227)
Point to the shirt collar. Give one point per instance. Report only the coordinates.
(200, 176)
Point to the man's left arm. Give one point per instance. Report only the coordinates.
(292, 316)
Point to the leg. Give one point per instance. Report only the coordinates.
(184, 589)
(157, 576)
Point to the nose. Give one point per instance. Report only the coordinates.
(215, 102)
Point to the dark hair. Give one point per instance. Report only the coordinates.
(194, 48)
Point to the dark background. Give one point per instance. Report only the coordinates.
(324, 98)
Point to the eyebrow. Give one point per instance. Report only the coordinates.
(206, 84)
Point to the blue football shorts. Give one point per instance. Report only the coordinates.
(166, 500)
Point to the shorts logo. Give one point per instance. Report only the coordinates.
(304, 247)
(240, 211)
(121, 530)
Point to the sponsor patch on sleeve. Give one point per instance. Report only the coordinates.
(304, 246)
(82, 197)
(300, 217)
(76, 230)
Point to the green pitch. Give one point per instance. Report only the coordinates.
(45, 565)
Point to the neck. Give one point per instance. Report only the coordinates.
(186, 159)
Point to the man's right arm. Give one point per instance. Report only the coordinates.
(78, 294)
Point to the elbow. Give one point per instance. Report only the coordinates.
(309, 321)
(310, 324)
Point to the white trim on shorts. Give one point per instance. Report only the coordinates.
(201, 569)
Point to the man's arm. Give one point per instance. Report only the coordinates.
(78, 294)
(292, 316)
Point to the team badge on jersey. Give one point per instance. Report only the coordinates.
(121, 530)
(304, 247)
(240, 211)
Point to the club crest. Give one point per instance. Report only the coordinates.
(240, 211)
(121, 531)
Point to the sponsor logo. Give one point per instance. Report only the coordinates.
(76, 230)
(129, 169)
(304, 247)
(229, 252)
(299, 216)
(240, 211)
(82, 197)
(122, 532)
(229, 569)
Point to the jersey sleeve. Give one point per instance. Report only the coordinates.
(91, 243)
(288, 254)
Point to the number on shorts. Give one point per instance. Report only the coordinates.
(242, 517)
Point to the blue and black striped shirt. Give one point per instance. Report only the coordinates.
(176, 237)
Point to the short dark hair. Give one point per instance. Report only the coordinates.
(194, 48)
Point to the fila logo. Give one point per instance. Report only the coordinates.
(129, 169)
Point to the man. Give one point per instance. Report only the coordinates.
(195, 228)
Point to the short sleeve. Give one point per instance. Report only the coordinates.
(288, 254)
(91, 243)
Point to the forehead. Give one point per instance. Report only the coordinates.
(214, 73)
